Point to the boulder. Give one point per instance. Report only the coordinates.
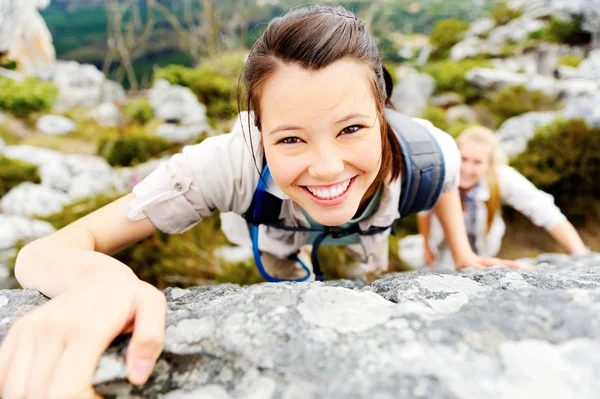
(412, 91)
(24, 35)
(55, 125)
(496, 333)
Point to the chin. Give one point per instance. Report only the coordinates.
(332, 217)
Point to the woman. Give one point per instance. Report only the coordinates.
(486, 182)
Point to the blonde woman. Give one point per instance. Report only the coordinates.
(486, 182)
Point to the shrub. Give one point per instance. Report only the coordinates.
(503, 14)
(516, 100)
(451, 76)
(132, 149)
(435, 115)
(563, 159)
(139, 111)
(446, 33)
(23, 98)
(9, 64)
(570, 61)
(14, 172)
(567, 32)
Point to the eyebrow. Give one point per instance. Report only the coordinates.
(346, 118)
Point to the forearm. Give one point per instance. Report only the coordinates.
(424, 227)
(53, 264)
(565, 234)
(449, 211)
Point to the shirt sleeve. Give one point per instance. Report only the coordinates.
(449, 152)
(219, 173)
(522, 195)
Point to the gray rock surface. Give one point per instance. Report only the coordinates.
(516, 131)
(496, 333)
(24, 35)
(55, 125)
(412, 91)
(80, 85)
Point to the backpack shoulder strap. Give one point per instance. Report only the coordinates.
(423, 164)
(265, 207)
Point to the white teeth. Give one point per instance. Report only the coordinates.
(330, 193)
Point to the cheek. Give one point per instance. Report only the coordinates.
(282, 170)
(366, 155)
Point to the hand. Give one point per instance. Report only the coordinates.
(53, 351)
(428, 256)
(480, 262)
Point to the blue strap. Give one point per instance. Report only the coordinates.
(260, 191)
(333, 231)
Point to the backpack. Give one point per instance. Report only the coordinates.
(422, 181)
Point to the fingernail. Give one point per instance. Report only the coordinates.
(142, 369)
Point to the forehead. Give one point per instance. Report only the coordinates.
(475, 150)
(300, 96)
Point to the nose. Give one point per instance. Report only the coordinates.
(326, 165)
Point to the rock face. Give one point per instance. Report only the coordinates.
(496, 333)
(413, 90)
(185, 117)
(80, 85)
(24, 35)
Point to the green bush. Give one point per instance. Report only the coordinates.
(23, 98)
(503, 14)
(435, 115)
(570, 61)
(139, 111)
(516, 100)
(538, 34)
(567, 32)
(14, 172)
(9, 64)
(451, 76)
(132, 149)
(446, 33)
(563, 159)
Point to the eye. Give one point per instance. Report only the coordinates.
(351, 129)
(289, 140)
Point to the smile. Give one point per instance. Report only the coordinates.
(330, 195)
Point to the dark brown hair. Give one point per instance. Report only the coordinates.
(315, 37)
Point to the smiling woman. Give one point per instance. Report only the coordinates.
(327, 123)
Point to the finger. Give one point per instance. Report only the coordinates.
(148, 336)
(75, 369)
(6, 350)
(42, 370)
(21, 360)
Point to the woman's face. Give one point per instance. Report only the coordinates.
(475, 163)
(322, 137)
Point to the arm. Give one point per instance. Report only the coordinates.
(539, 207)
(448, 210)
(55, 263)
(95, 298)
(565, 234)
(423, 225)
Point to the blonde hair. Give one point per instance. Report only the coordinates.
(483, 135)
